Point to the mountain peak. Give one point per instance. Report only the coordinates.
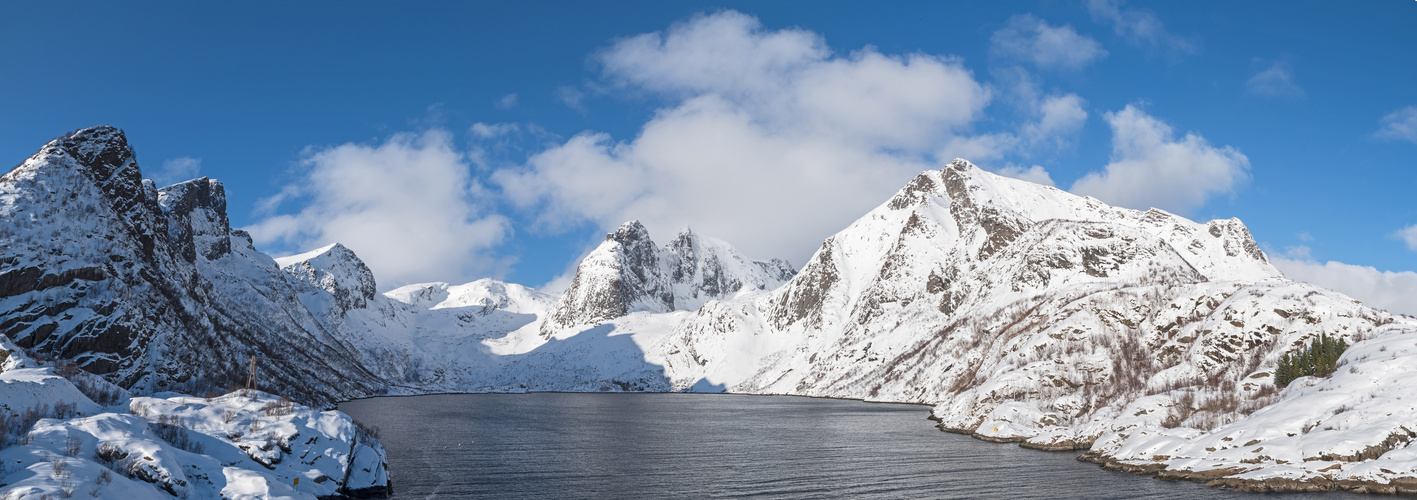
(628, 272)
(336, 269)
(629, 233)
(103, 148)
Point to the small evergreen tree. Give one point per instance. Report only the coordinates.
(1318, 359)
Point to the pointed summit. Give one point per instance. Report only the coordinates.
(335, 269)
(629, 273)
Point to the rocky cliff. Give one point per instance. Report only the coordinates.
(150, 287)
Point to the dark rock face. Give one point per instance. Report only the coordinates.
(145, 287)
(196, 216)
(804, 296)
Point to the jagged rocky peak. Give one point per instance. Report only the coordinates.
(629, 273)
(104, 151)
(335, 269)
(196, 218)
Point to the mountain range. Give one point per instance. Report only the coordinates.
(1023, 313)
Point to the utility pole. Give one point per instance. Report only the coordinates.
(251, 381)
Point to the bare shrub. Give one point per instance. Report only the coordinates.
(104, 477)
(96, 390)
(172, 430)
(229, 415)
(73, 446)
(60, 467)
(278, 408)
(108, 454)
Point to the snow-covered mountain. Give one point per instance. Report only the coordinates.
(150, 287)
(1022, 312)
(628, 273)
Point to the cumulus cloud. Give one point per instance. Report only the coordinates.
(769, 139)
(1151, 168)
(1395, 291)
(1059, 118)
(1409, 236)
(1030, 39)
(1276, 81)
(407, 206)
(177, 170)
(1400, 124)
(1139, 27)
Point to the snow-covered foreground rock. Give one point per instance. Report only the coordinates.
(58, 443)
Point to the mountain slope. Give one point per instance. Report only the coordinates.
(1024, 313)
(150, 287)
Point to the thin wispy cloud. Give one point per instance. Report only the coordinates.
(1027, 38)
(571, 97)
(1274, 80)
(175, 170)
(508, 101)
(1400, 124)
(1139, 27)
(1408, 235)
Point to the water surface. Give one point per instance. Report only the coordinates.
(556, 445)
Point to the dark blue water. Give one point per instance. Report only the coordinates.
(511, 446)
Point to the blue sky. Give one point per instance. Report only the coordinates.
(454, 140)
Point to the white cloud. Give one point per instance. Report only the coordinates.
(1035, 174)
(493, 130)
(1299, 252)
(507, 101)
(1059, 118)
(1400, 124)
(1031, 39)
(1140, 27)
(1408, 235)
(1150, 168)
(769, 140)
(1275, 80)
(1395, 291)
(177, 170)
(407, 206)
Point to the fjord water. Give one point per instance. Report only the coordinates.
(563, 445)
